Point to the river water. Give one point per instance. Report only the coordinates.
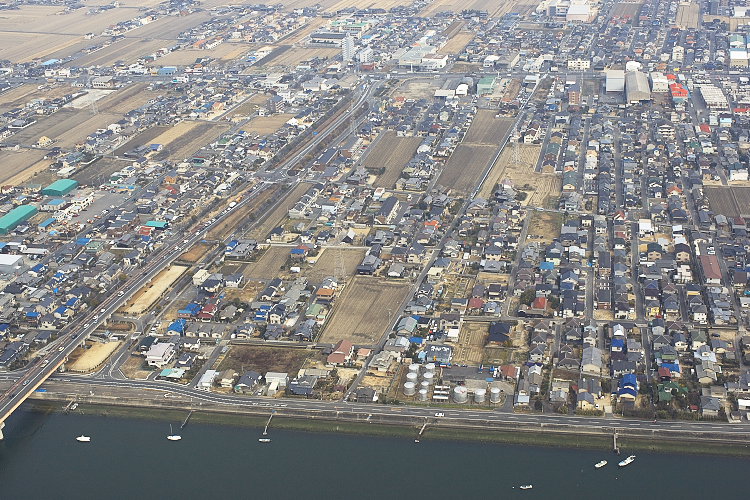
(131, 458)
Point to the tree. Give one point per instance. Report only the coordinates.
(528, 296)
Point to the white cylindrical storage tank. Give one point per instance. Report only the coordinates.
(494, 395)
(424, 385)
(410, 388)
(414, 367)
(411, 377)
(429, 367)
(423, 394)
(480, 395)
(460, 394)
(428, 377)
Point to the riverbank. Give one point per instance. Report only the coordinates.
(659, 444)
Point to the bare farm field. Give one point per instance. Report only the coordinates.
(18, 97)
(486, 129)
(52, 19)
(25, 47)
(296, 55)
(151, 292)
(268, 265)
(495, 8)
(392, 153)
(267, 125)
(186, 138)
(248, 108)
(67, 127)
(225, 52)
(335, 262)
(729, 201)
(127, 99)
(457, 42)
(364, 310)
(168, 28)
(465, 166)
(141, 139)
(19, 166)
(471, 341)
(265, 359)
(127, 50)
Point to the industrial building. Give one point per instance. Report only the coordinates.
(615, 81)
(486, 85)
(659, 83)
(60, 187)
(10, 264)
(18, 215)
(636, 87)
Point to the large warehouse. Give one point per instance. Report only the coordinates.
(60, 187)
(12, 219)
(637, 88)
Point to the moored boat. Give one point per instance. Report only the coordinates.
(83, 439)
(627, 461)
(601, 464)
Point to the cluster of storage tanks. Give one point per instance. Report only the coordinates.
(418, 383)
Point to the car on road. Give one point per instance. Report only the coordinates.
(25, 382)
(440, 414)
(61, 348)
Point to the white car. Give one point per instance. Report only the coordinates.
(440, 414)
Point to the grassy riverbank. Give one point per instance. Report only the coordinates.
(562, 440)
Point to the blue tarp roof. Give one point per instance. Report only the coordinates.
(83, 241)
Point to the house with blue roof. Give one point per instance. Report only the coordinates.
(628, 387)
(177, 326)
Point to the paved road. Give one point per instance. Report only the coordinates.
(134, 389)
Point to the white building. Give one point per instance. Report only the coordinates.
(206, 381)
(160, 354)
(366, 55)
(615, 80)
(347, 48)
(579, 64)
(659, 83)
(714, 97)
(678, 53)
(10, 264)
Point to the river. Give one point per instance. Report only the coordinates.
(131, 458)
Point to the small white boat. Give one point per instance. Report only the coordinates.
(264, 440)
(416, 440)
(627, 461)
(74, 406)
(601, 464)
(526, 486)
(172, 436)
(83, 439)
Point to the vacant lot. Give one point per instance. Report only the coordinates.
(457, 42)
(364, 311)
(296, 55)
(485, 129)
(392, 153)
(19, 166)
(264, 359)
(729, 201)
(100, 171)
(626, 9)
(268, 266)
(266, 125)
(465, 167)
(141, 139)
(279, 214)
(152, 291)
(338, 262)
(89, 359)
(544, 226)
(417, 89)
(248, 108)
(507, 167)
(184, 139)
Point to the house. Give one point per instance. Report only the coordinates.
(591, 361)
(160, 354)
(710, 406)
(303, 386)
(341, 354)
(247, 382)
(226, 378)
